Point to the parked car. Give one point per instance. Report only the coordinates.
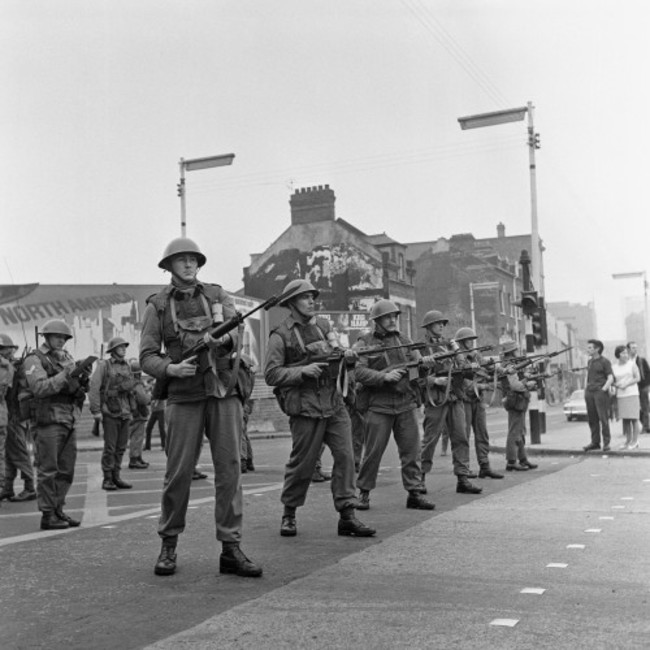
(575, 408)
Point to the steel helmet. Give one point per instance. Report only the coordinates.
(296, 287)
(434, 316)
(134, 364)
(6, 342)
(115, 342)
(179, 246)
(383, 307)
(509, 346)
(57, 326)
(465, 333)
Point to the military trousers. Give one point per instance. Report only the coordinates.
(56, 456)
(404, 427)
(3, 443)
(476, 420)
(221, 422)
(116, 438)
(307, 436)
(358, 421)
(451, 415)
(156, 417)
(136, 437)
(516, 440)
(17, 457)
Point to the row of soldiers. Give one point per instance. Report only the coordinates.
(191, 344)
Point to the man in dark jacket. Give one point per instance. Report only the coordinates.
(644, 385)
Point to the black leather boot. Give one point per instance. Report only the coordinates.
(119, 483)
(486, 472)
(233, 560)
(528, 464)
(465, 487)
(108, 484)
(50, 521)
(288, 527)
(166, 563)
(350, 525)
(363, 502)
(416, 501)
(73, 523)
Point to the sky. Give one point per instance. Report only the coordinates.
(102, 99)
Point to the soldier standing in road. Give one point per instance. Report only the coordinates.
(112, 401)
(317, 413)
(516, 396)
(392, 402)
(599, 378)
(16, 453)
(475, 416)
(200, 399)
(56, 397)
(443, 407)
(7, 350)
(140, 414)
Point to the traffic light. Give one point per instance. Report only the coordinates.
(529, 302)
(540, 333)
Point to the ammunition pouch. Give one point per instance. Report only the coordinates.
(516, 401)
(43, 409)
(288, 399)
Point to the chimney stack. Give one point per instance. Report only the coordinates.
(312, 204)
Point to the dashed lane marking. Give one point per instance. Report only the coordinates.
(593, 530)
(505, 622)
(606, 518)
(538, 591)
(557, 565)
(578, 546)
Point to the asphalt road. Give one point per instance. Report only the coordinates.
(429, 579)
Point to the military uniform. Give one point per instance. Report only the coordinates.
(447, 410)
(138, 422)
(111, 394)
(177, 319)
(56, 400)
(391, 408)
(317, 413)
(6, 381)
(515, 401)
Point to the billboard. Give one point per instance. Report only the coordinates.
(96, 313)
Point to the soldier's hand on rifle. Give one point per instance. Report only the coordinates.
(350, 356)
(393, 376)
(213, 343)
(186, 368)
(439, 381)
(428, 361)
(313, 370)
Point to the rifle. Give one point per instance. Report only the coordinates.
(439, 356)
(161, 385)
(532, 359)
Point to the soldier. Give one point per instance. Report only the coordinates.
(57, 396)
(16, 455)
(112, 401)
(317, 414)
(392, 402)
(7, 349)
(444, 407)
(474, 407)
(200, 399)
(140, 415)
(516, 396)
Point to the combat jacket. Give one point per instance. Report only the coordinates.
(111, 389)
(56, 398)
(290, 348)
(442, 394)
(474, 386)
(177, 318)
(516, 395)
(6, 381)
(378, 395)
(142, 398)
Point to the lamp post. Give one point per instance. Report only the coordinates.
(504, 117)
(193, 165)
(639, 274)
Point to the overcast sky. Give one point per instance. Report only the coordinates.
(100, 100)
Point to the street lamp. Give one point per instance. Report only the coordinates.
(639, 274)
(504, 117)
(194, 165)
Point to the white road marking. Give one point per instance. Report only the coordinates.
(593, 530)
(580, 546)
(505, 622)
(557, 565)
(532, 590)
(606, 518)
